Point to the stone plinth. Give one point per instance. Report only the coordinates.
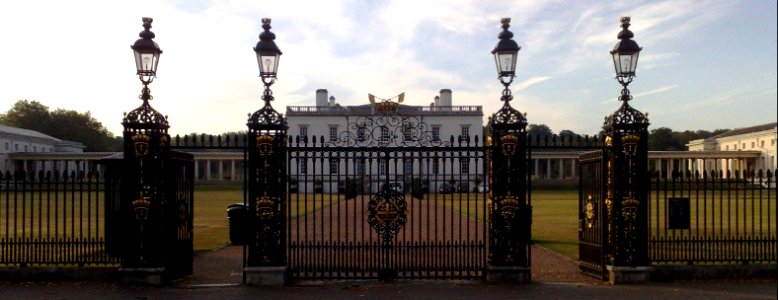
(628, 275)
(508, 274)
(266, 276)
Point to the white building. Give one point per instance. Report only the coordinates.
(441, 121)
(19, 141)
(760, 139)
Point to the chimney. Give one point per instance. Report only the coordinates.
(445, 97)
(332, 100)
(321, 97)
(437, 101)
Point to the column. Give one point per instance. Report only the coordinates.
(535, 169)
(207, 170)
(221, 169)
(196, 169)
(232, 170)
(573, 174)
(548, 168)
(561, 168)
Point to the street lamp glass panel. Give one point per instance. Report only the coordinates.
(268, 64)
(146, 63)
(506, 63)
(625, 64)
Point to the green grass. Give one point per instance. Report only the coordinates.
(555, 220)
(211, 227)
(554, 217)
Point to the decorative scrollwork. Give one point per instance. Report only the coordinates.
(626, 115)
(590, 211)
(389, 128)
(145, 117)
(266, 116)
(386, 213)
(508, 115)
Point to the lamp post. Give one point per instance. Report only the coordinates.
(268, 56)
(146, 57)
(505, 53)
(266, 263)
(625, 58)
(146, 152)
(509, 208)
(626, 152)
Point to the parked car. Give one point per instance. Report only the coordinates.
(446, 189)
(394, 187)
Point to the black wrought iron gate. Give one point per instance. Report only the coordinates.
(592, 230)
(386, 199)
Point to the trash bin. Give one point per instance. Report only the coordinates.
(237, 214)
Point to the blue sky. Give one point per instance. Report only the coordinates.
(704, 65)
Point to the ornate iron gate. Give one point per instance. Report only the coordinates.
(592, 228)
(386, 199)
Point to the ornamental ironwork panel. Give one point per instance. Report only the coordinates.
(592, 221)
(266, 197)
(626, 141)
(510, 208)
(386, 199)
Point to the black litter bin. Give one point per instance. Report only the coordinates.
(237, 214)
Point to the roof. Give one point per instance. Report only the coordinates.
(745, 130)
(27, 132)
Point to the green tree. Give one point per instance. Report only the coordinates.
(539, 130)
(28, 115)
(62, 124)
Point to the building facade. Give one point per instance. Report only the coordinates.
(759, 141)
(15, 141)
(441, 122)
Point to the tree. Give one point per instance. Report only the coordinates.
(28, 115)
(539, 130)
(62, 124)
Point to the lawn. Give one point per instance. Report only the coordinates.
(211, 227)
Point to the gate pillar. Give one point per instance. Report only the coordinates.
(510, 213)
(266, 262)
(140, 232)
(626, 200)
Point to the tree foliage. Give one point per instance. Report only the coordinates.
(63, 124)
(665, 139)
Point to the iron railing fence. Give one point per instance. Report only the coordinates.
(53, 219)
(713, 217)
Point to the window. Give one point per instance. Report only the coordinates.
(753, 145)
(744, 146)
(6, 145)
(382, 167)
(303, 166)
(727, 148)
(26, 148)
(333, 133)
(359, 167)
(384, 134)
(436, 133)
(761, 144)
(34, 148)
(303, 132)
(435, 166)
(407, 166)
(334, 166)
(361, 133)
(16, 147)
(464, 165)
(465, 131)
(735, 147)
(772, 143)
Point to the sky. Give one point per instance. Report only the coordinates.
(704, 65)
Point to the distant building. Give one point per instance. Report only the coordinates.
(760, 138)
(440, 121)
(15, 140)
